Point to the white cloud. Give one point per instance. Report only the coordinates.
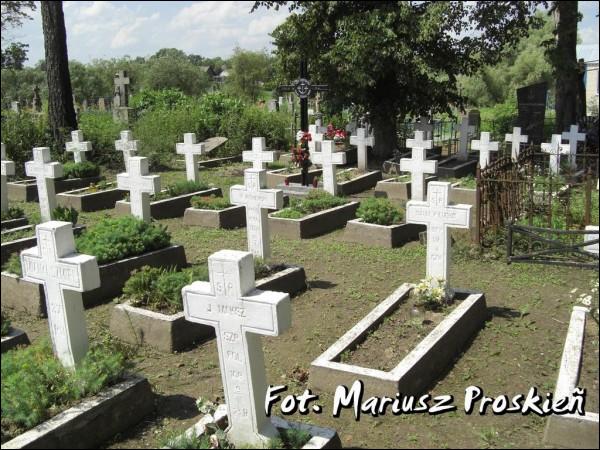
(265, 25)
(132, 34)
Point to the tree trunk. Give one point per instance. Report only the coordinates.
(565, 65)
(61, 112)
(385, 134)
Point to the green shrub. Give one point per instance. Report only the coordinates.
(5, 324)
(114, 239)
(499, 119)
(181, 188)
(84, 169)
(316, 200)
(210, 202)
(35, 386)
(149, 100)
(379, 211)
(292, 438)
(13, 265)
(12, 212)
(65, 214)
(101, 130)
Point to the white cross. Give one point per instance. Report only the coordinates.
(592, 248)
(78, 146)
(418, 165)
(424, 126)
(44, 172)
(573, 135)
(8, 168)
(439, 217)
(191, 150)
(362, 140)
(65, 275)
(316, 135)
(140, 185)
(240, 314)
(259, 155)
(328, 158)
(484, 146)
(128, 146)
(517, 139)
(257, 201)
(465, 130)
(555, 149)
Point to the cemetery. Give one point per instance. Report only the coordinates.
(304, 246)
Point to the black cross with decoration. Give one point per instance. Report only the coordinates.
(303, 89)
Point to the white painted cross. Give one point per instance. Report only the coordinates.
(78, 146)
(439, 217)
(517, 139)
(362, 140)
(463, 143)
(140, 185)
(592, 248)
(191, 150)
(418, 165)
(44, 172)
(316, 135)
(328, 159)
(8, 168)
(240, 314)
(555, 149)
(257, 201)
(259, 155)
(65, 275)
(128, 146)
(573, 135)
(484, 146)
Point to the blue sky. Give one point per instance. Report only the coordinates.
(107, 29)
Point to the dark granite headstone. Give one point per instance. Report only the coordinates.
(532, 108)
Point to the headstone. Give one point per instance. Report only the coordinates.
(44, 172)
(84, 104)
(418, 165)
(517, 139)
(140, 185)
(555, 149)
(128, 146)
(316, 135)
(572, 136)
(593, 248)
(214, 142)
(101, 104)
(362, 140)
(257, 202)
(78, 146)
(8, 169)
(463, 144)
(15, 106)
(239, 313)
(272, 105)
(328, 158)
(259, 156)
(192, 151)
(425, 126)
(474, 119)
(36, 101)
(484, 146)
(280, 100)
(65, 274)
(531, 104)
(439, 217)
(121, 89)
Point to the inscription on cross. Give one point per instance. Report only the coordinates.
(573, 136)
(259, 156)
(555, 149)
(140, 185)
(257, 202)
(128, 146)
(78, 146)
(8, 168)
(192, 151)
(517, 139)
(44, 172)
(65, 275)
(328, 159)
(484, 146)
(362, 140)
(240, 314)
(418, 165)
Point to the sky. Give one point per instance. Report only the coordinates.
(112, 29)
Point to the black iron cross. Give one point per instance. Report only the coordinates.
(303, 89)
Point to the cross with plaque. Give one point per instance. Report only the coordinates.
(140, 185)
(44, 172)
(78, 146)
(328, 158)
(192, 151)
(8, 168)
(362, 140)
(418, 165)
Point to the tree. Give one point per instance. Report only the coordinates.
(14, 56)
(13, 13)
(248, 71)
(396, 59)
(171, 69)
(61, 113)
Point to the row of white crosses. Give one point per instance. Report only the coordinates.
(8, 169)
(556, 148)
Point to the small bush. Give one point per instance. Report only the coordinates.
(379, 211)
(84, 169)
(21, 133)
(5, 324)
(13, 265)
(12, 212)
(101, 130)
(316, 200)
(150, 100)
(210, 202)
(65, 214)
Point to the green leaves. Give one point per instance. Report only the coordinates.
(212, 202)
(379, 211)
(317, 200)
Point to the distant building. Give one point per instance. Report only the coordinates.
(591, 88)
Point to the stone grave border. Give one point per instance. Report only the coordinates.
(361, 183)
(13, 223)
(93, 420)
(227, 218)
(91, 201)
(14, 338)
(26, 190)
(461, 169)
(387, 236)
(27, 296)
(275, 177)
(572, 430)
(398, 190)
(315, 224)
(463, 195)
(168, 208)
(417, 370)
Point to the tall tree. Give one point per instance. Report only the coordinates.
(396, 59)
(61, 112)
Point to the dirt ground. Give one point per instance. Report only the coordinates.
(519, 347)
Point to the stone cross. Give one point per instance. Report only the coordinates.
(128, 146)
(101, 104)
(121, 88)
(78, 146)
(257, 201)
(463, 143)
(573, 135)
(8, 168)
(484, 146)
(44, 172)
(65, 275)
(15, 106)
(439, 217)
(517, 139)
(555, 149)
(140, 185)
(424, 126)
(592, 248)
(316, 138)
(328, 158)
(259, 155)
(191, 150)
(362, 140)
(240, 314)
(418, 165)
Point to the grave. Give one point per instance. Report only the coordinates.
(8, 169)
(14, 338)
(362, 141)
(91, 198)
(127, 146)
(140, 185)
(121, 110)
(484, 146)
(78, 146)
(555, 149)
(192, 151)
(463, 163)
(516, 139)
(418, 165)
(328, 158)
(573, 136)
(44, 172)
(259, 156)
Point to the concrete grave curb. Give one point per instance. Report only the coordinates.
(13, 223)
(14, 338)
(228, 218)
(387, 236)
(397, 190)
(91, 201)
(361, 183)
(26, 190)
